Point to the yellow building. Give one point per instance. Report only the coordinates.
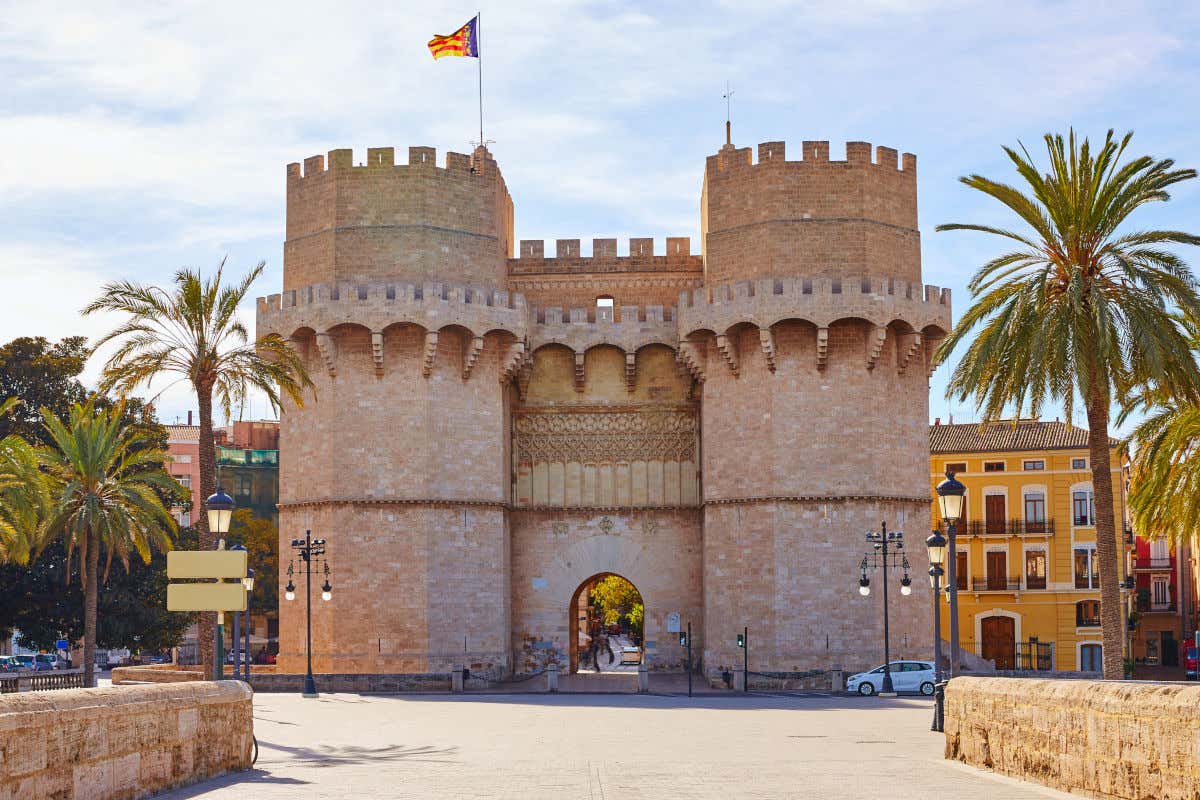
(1027, 575)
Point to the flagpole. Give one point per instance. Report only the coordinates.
(479, 58)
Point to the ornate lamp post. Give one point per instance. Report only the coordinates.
(950, 498)
(936, 544)
(309, 549)
(220, 508)
(881, 541)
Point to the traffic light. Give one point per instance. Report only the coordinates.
(682, 639)
(741, 640)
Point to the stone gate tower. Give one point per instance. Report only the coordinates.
(489, 432)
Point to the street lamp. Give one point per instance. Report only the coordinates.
(951, 494)
(936, 545)
(881, 541)
(220, 508)
(309, 549)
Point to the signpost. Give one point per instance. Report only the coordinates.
(216, 565)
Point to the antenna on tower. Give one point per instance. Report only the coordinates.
(728, 97)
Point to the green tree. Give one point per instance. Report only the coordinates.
(1164, 476)
(261, 538)
(22, 495)
(44, 600)
(192, 332)
(617, 600)
(41, 375)
(1081, 308)
(101, 480)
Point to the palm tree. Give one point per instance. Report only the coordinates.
(22, 496)
(1081, 308)
(1165, 467)
(102, 476)
(192, 332)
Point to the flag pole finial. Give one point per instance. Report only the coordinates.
(728, 97)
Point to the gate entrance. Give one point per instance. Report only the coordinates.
(607, 625)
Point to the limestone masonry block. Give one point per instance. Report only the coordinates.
(123, 741)
(1104, 739)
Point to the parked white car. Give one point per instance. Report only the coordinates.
(907, 676)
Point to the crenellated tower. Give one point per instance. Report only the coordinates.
(394, 279)
(493, 431)
(812, 336)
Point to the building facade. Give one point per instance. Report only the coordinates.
(1028, 581)
(494, 426)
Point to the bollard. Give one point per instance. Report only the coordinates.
(456, 679)
(552, 678)
(643, 679)
(739, 679)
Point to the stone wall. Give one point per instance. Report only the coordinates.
(122, 742)
(157, 673)
(1109, 739)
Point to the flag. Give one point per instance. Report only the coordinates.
(463, 42)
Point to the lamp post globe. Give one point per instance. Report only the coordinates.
(906, 586)
(220, 507)
(864, 586)
(950, 494)
(936, 545)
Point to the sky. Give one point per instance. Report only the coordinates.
(136, 138)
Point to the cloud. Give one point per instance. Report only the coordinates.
(139, 136)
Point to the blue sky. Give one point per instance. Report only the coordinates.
(138, 137)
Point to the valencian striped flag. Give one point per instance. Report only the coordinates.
(463, 42)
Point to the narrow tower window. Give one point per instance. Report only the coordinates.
(604, 308)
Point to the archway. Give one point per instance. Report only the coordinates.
(608, 606)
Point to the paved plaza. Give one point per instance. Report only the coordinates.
(601, 747)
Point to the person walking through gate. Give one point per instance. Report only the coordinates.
(600, 640)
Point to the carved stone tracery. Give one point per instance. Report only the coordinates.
(605, 436)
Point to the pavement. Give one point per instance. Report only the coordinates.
(601, 747)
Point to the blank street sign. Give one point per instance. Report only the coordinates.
(206, 597)
(206, 563)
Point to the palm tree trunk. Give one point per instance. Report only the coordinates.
(207, 627)
(90, 596)
(1107, 552)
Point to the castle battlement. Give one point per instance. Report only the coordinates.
(385, 158)
(772, 155)
(581, 329)
(820, 300)
(567, 257)
(430, 305)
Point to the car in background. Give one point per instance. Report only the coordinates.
(9, 664)
(1191, 662)
(907, 676)
(39, 662)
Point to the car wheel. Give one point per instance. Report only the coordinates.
(927, 689)
(866, 689)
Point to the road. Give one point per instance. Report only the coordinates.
(601, 748)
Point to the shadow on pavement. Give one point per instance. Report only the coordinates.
(329, 756)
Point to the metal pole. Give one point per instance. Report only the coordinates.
(745, 659)
(689, 659)
(937, 650)
(310, 686)
(952, 585)
(219, 650)
(246, 669)
(479, 58)
(888, 688)
(237, 644)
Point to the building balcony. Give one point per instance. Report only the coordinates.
(1005, 527)
(1152, 564)
(1149, 607)
(994, 583)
